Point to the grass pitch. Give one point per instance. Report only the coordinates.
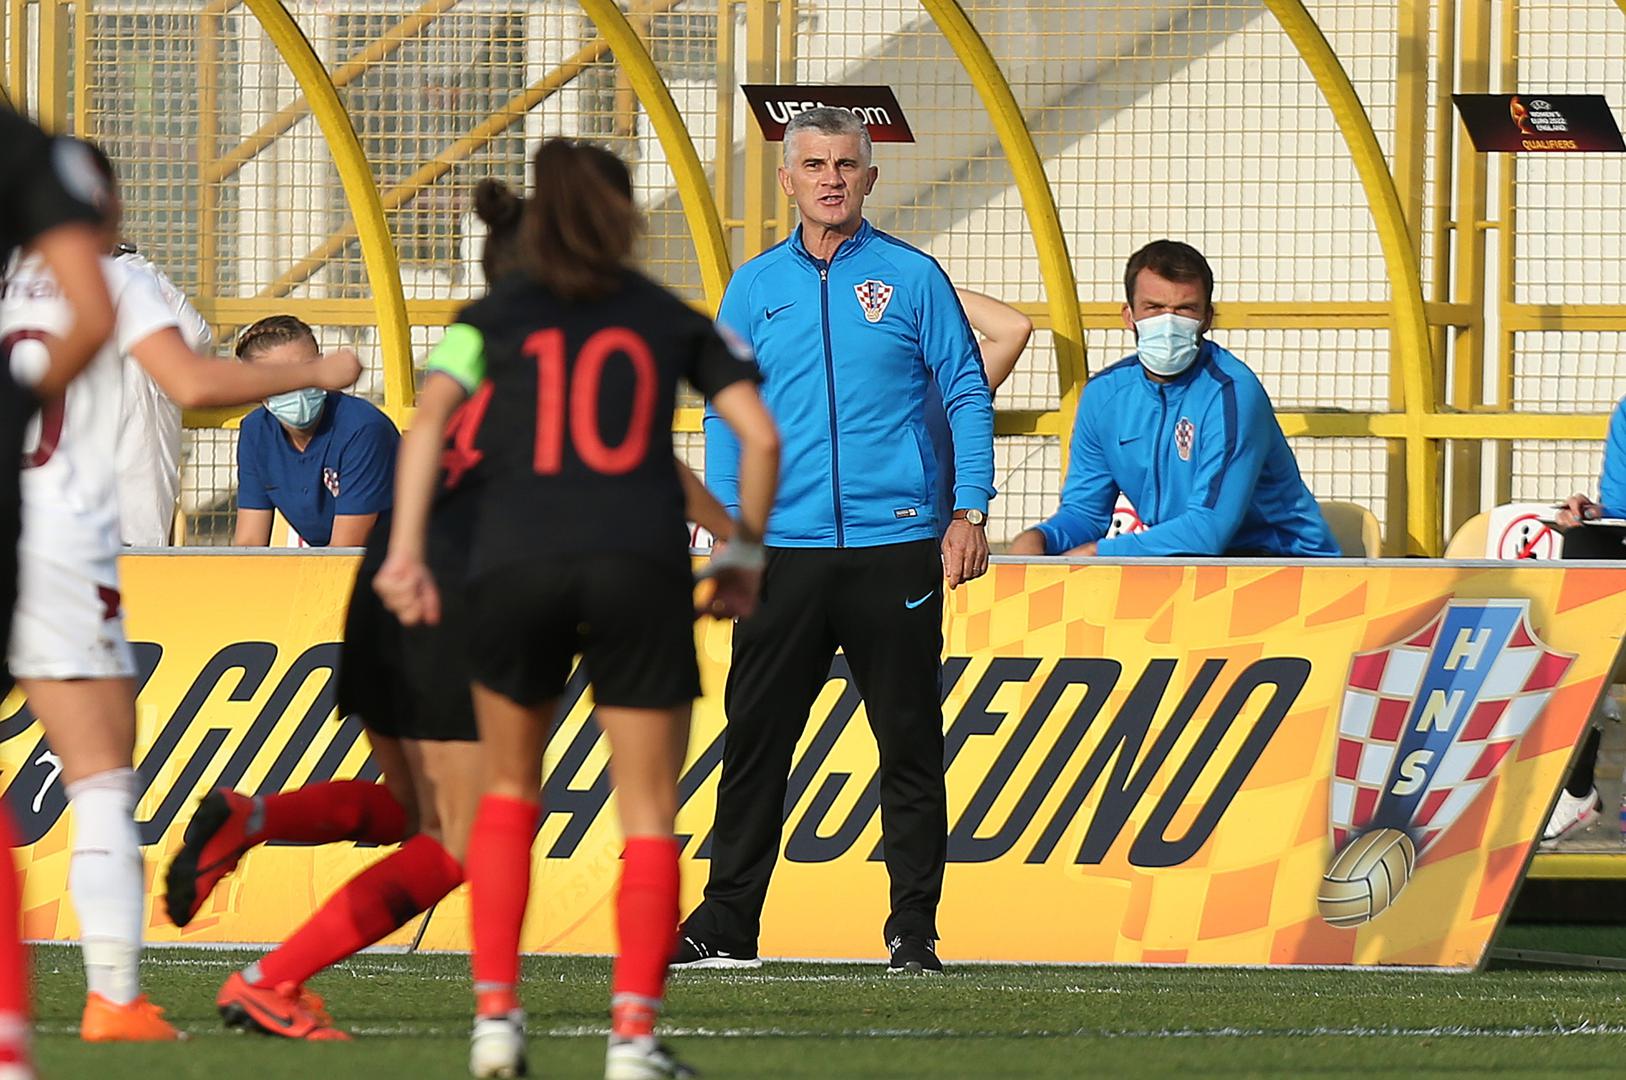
(410, 1015)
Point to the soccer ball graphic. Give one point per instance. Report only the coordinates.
(1366, 877)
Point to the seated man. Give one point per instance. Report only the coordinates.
(1185, 430)
(325, 460)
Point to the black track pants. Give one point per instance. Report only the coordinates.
(883, 606)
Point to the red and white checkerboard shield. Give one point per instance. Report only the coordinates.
(873, 296)
(1382, 698)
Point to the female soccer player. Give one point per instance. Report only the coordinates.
(68, 649)
(45, 185)
(580, 548)
(410, 689)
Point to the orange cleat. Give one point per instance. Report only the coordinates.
(216, 838)
(313, 1001)
(139, 1021)
(287, 1010)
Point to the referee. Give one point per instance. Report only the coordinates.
(860, 338)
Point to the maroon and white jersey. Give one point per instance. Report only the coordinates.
(70, 476)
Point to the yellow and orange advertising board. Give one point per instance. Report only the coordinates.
(1335, 763)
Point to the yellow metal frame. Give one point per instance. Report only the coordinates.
(346, 73)
(1578, 866)
(17, 52)
(694, 193)
(356, 175)
(1038, 201)
(1411, 343)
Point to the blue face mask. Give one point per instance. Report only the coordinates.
(1167, 344)
(298, 408)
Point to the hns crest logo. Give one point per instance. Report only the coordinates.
(1185, 436)
(873, 296)
(330, 480)
(1426, 724)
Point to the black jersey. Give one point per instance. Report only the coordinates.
(575, 439)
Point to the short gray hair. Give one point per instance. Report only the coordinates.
(828, 120)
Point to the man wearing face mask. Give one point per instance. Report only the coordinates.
(325, 460)
(1185, 430)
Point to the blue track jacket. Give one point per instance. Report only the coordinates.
(1612, 486)
(1202, 458)
(854, 353)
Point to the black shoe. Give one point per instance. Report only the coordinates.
(695, 954)
(913, 955)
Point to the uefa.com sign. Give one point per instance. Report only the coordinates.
(1327, 763)
(876, 106)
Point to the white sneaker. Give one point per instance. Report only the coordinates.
(642, 1058)
(1573, 814)
(497, 1047)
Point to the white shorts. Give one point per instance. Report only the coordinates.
(69, 622)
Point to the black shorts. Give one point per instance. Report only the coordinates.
(409, 682)
(16, 408)
(630, 618)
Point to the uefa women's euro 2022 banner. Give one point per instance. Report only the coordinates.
(1336, 763)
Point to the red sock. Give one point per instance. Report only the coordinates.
(370, 905)
(13, 954)
(335, 810)
(499, 873)
(646, 919)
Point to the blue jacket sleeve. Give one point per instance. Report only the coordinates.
(1088, 494)
(251, 493)
(950, 351)
(722, 449)
(1612, 486)
(367, 470)
(1223, 483)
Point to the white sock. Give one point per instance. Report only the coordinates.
(105, 878)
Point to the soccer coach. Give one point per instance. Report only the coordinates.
(859, 337)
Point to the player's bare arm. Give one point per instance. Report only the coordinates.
(193, 381)
(404, 582)
(702, 507)
(1003, 330)
(73, 254)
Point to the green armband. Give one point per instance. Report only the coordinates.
(460, 354)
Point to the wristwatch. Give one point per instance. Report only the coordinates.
(970, 517)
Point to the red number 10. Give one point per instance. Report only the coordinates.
(547, 347)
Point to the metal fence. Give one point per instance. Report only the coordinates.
(1438, 330)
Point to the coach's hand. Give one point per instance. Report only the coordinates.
(408, 590)
(965, 553)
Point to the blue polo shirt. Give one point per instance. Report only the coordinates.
(348, 468)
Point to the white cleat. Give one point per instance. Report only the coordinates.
(1573, 814)
(497, 1047)
(642, 1058)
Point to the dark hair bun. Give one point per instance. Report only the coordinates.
(497, 204)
